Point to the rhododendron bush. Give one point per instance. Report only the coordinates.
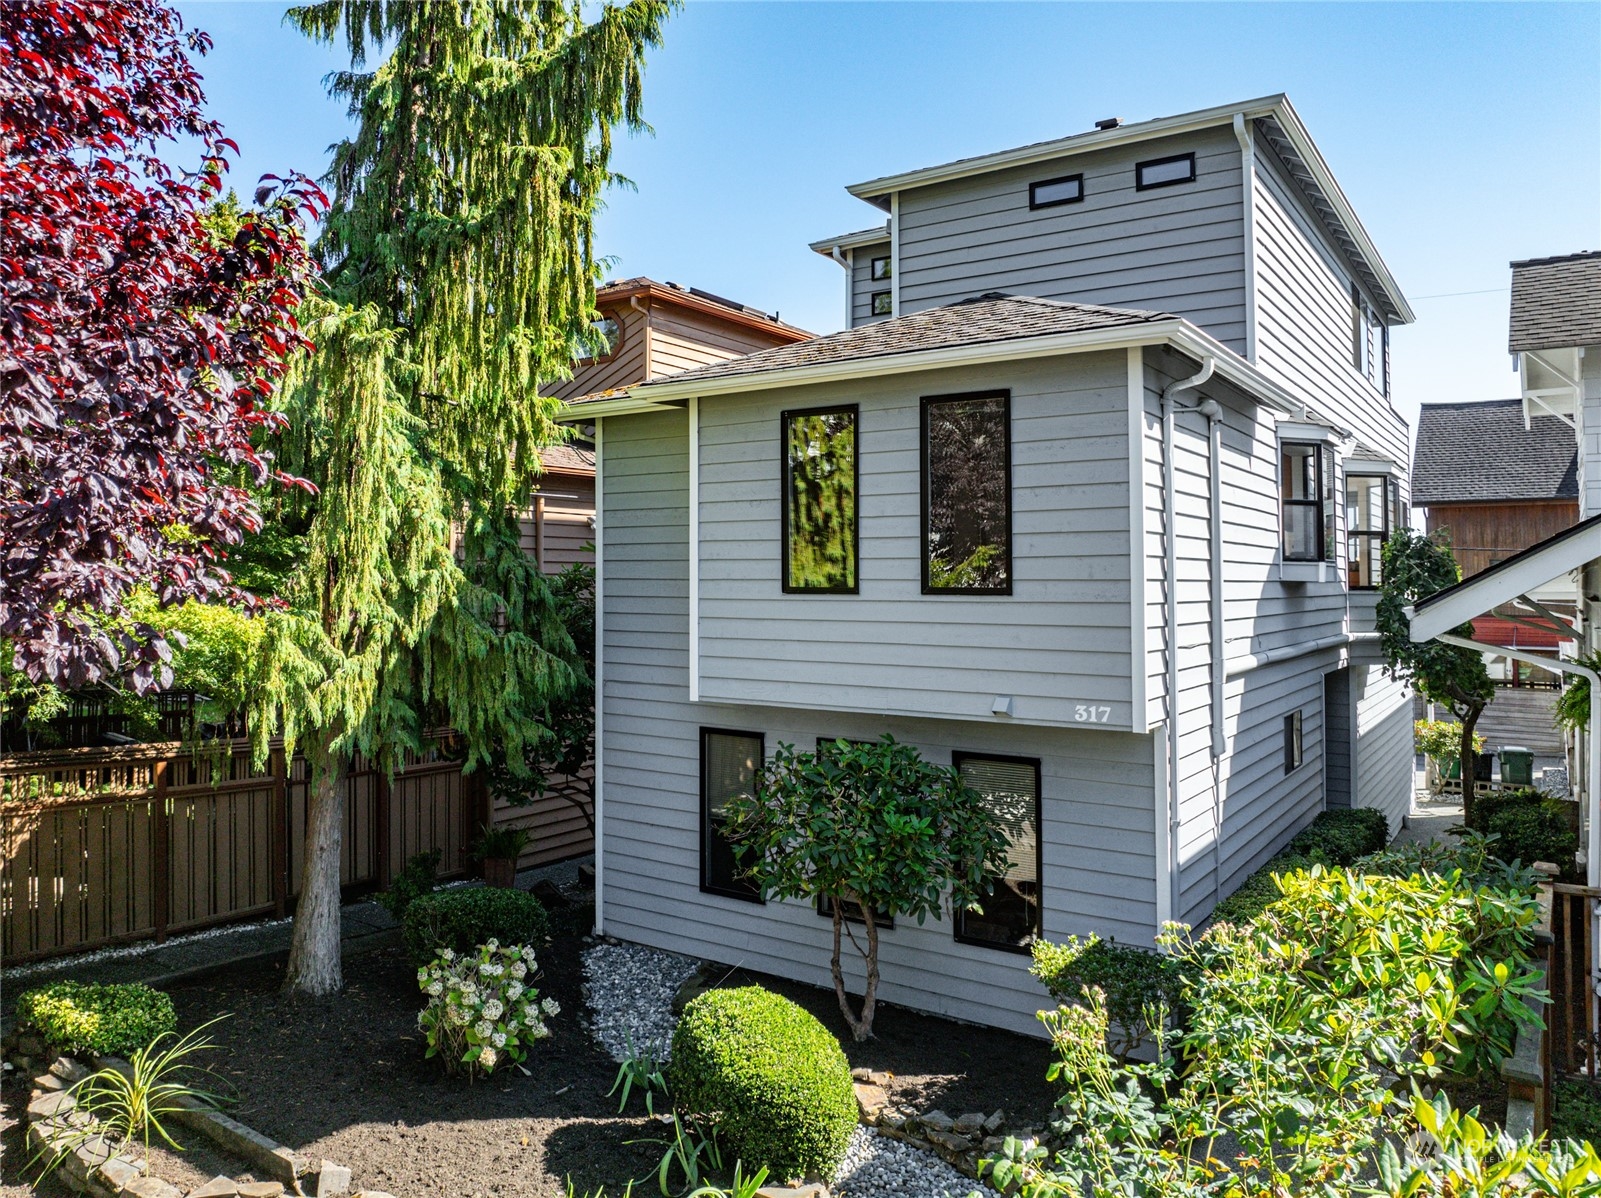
(138, 337)
(483, 1009)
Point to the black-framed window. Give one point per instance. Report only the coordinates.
(967, 494)
(1164, 172)
(729, 764)
(1372, 513)
(1010, 789)
(1049, 193)
(1292, 741)
(819, 500)
(878, 269)
(1306, 493)
(883, 304)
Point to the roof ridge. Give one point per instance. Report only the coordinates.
(1579, 256)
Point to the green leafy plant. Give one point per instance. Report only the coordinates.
(1573, 705)
(641, 1071)
(499, 843)
(419, 876)
(102, 1018)
(1335, 838)
(870, 827)
(1471, 856)
(128, 1104)
(463, 919)
(483, 1010)
(1441, 740)
(1135, 981)
(771, 1080)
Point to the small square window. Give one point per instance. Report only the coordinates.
(1164, 172)
(1292, 742)
(879, 269)
(883, 305)
(1048, 193)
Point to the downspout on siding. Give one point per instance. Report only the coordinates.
(1170, 548)
(600, 675)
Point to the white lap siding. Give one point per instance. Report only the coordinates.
(1097, 834)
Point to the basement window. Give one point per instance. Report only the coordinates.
(1009, 916)
(819, 500)
(1050, 193)
(1164, 172)
(1292, 742)
(729, 764)
(883, 304)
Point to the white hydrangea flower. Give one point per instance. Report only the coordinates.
(498, 1039)
(457, 1016)
(446, 954)
(514, 991)
(512, 1024)
(551, 1007)
(493, 944)
(484, 1029)
(493, 1010)
(487, 1058)
(422, 975)
(527, 953)
(435, 989)
(519, 970)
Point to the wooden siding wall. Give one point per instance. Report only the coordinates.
(1098, 822)
(1058, 641)
(682, 339)
(561, 528)
(862, 285)
(1485, 533)
(1176, 249)
(622, 369)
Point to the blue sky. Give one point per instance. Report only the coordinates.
(1466, 135)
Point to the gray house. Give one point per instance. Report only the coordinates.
(1086, 501)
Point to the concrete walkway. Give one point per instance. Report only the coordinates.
(363, 925)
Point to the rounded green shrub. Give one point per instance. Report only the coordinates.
(775, 1080)
(115, 1019)
(461, 920)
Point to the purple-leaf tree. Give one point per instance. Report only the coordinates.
(137, 344)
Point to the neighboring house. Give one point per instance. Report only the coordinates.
(1497, 477)
(1555, 584)
(1079, 515)
(654, 330)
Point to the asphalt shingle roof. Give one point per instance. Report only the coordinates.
(1480, 453)
(578, 457)
(986, 318)
(1556, 302)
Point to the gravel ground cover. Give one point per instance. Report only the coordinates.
(630, 991)
(876, 1166)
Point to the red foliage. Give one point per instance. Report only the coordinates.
(134, 352)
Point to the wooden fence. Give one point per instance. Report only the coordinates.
(1572, 1015)
(103, 846)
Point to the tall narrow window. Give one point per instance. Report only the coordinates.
(819, 500)
(1369, 513)
(967, 494)
(1292, 742)
(729, 763)
(1306, 491)
(1010, 788)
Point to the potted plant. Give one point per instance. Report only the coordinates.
(498, 850)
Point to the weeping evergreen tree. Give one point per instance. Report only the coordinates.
(459, 272)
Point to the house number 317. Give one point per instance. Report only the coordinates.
(1091, 713)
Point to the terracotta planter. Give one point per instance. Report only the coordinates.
(500, 871)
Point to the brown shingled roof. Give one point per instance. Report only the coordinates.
(577, 457)
(986, 318)
(1556, 302)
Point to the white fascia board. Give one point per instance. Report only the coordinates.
(1295, 430)
(850, 241)
(1180, 334)
(1078, 143)
(1483, 594)
(622, 405)
(1370, 466)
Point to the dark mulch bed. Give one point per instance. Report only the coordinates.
(345, 1078)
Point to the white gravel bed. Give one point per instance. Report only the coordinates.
(876, 1166)
(630, 990)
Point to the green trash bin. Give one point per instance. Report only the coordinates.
(1517, 766)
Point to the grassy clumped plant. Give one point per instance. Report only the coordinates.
(1298, 1026)
(768, 1077)
(102, 1018)
(462, 920)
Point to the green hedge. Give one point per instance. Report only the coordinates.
(463, 919)
(96, 1017)
(1335, 838)
(1528, 825)
(1132, 980)
(775, 1080)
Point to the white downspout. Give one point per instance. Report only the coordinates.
(1213, 411)
(694, 550)
(1169, 536)
(600, 669)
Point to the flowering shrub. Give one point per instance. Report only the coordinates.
(482, 1010)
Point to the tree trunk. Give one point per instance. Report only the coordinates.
(839, 971)
(1470, 764)
(870, 994)
(315, 966)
